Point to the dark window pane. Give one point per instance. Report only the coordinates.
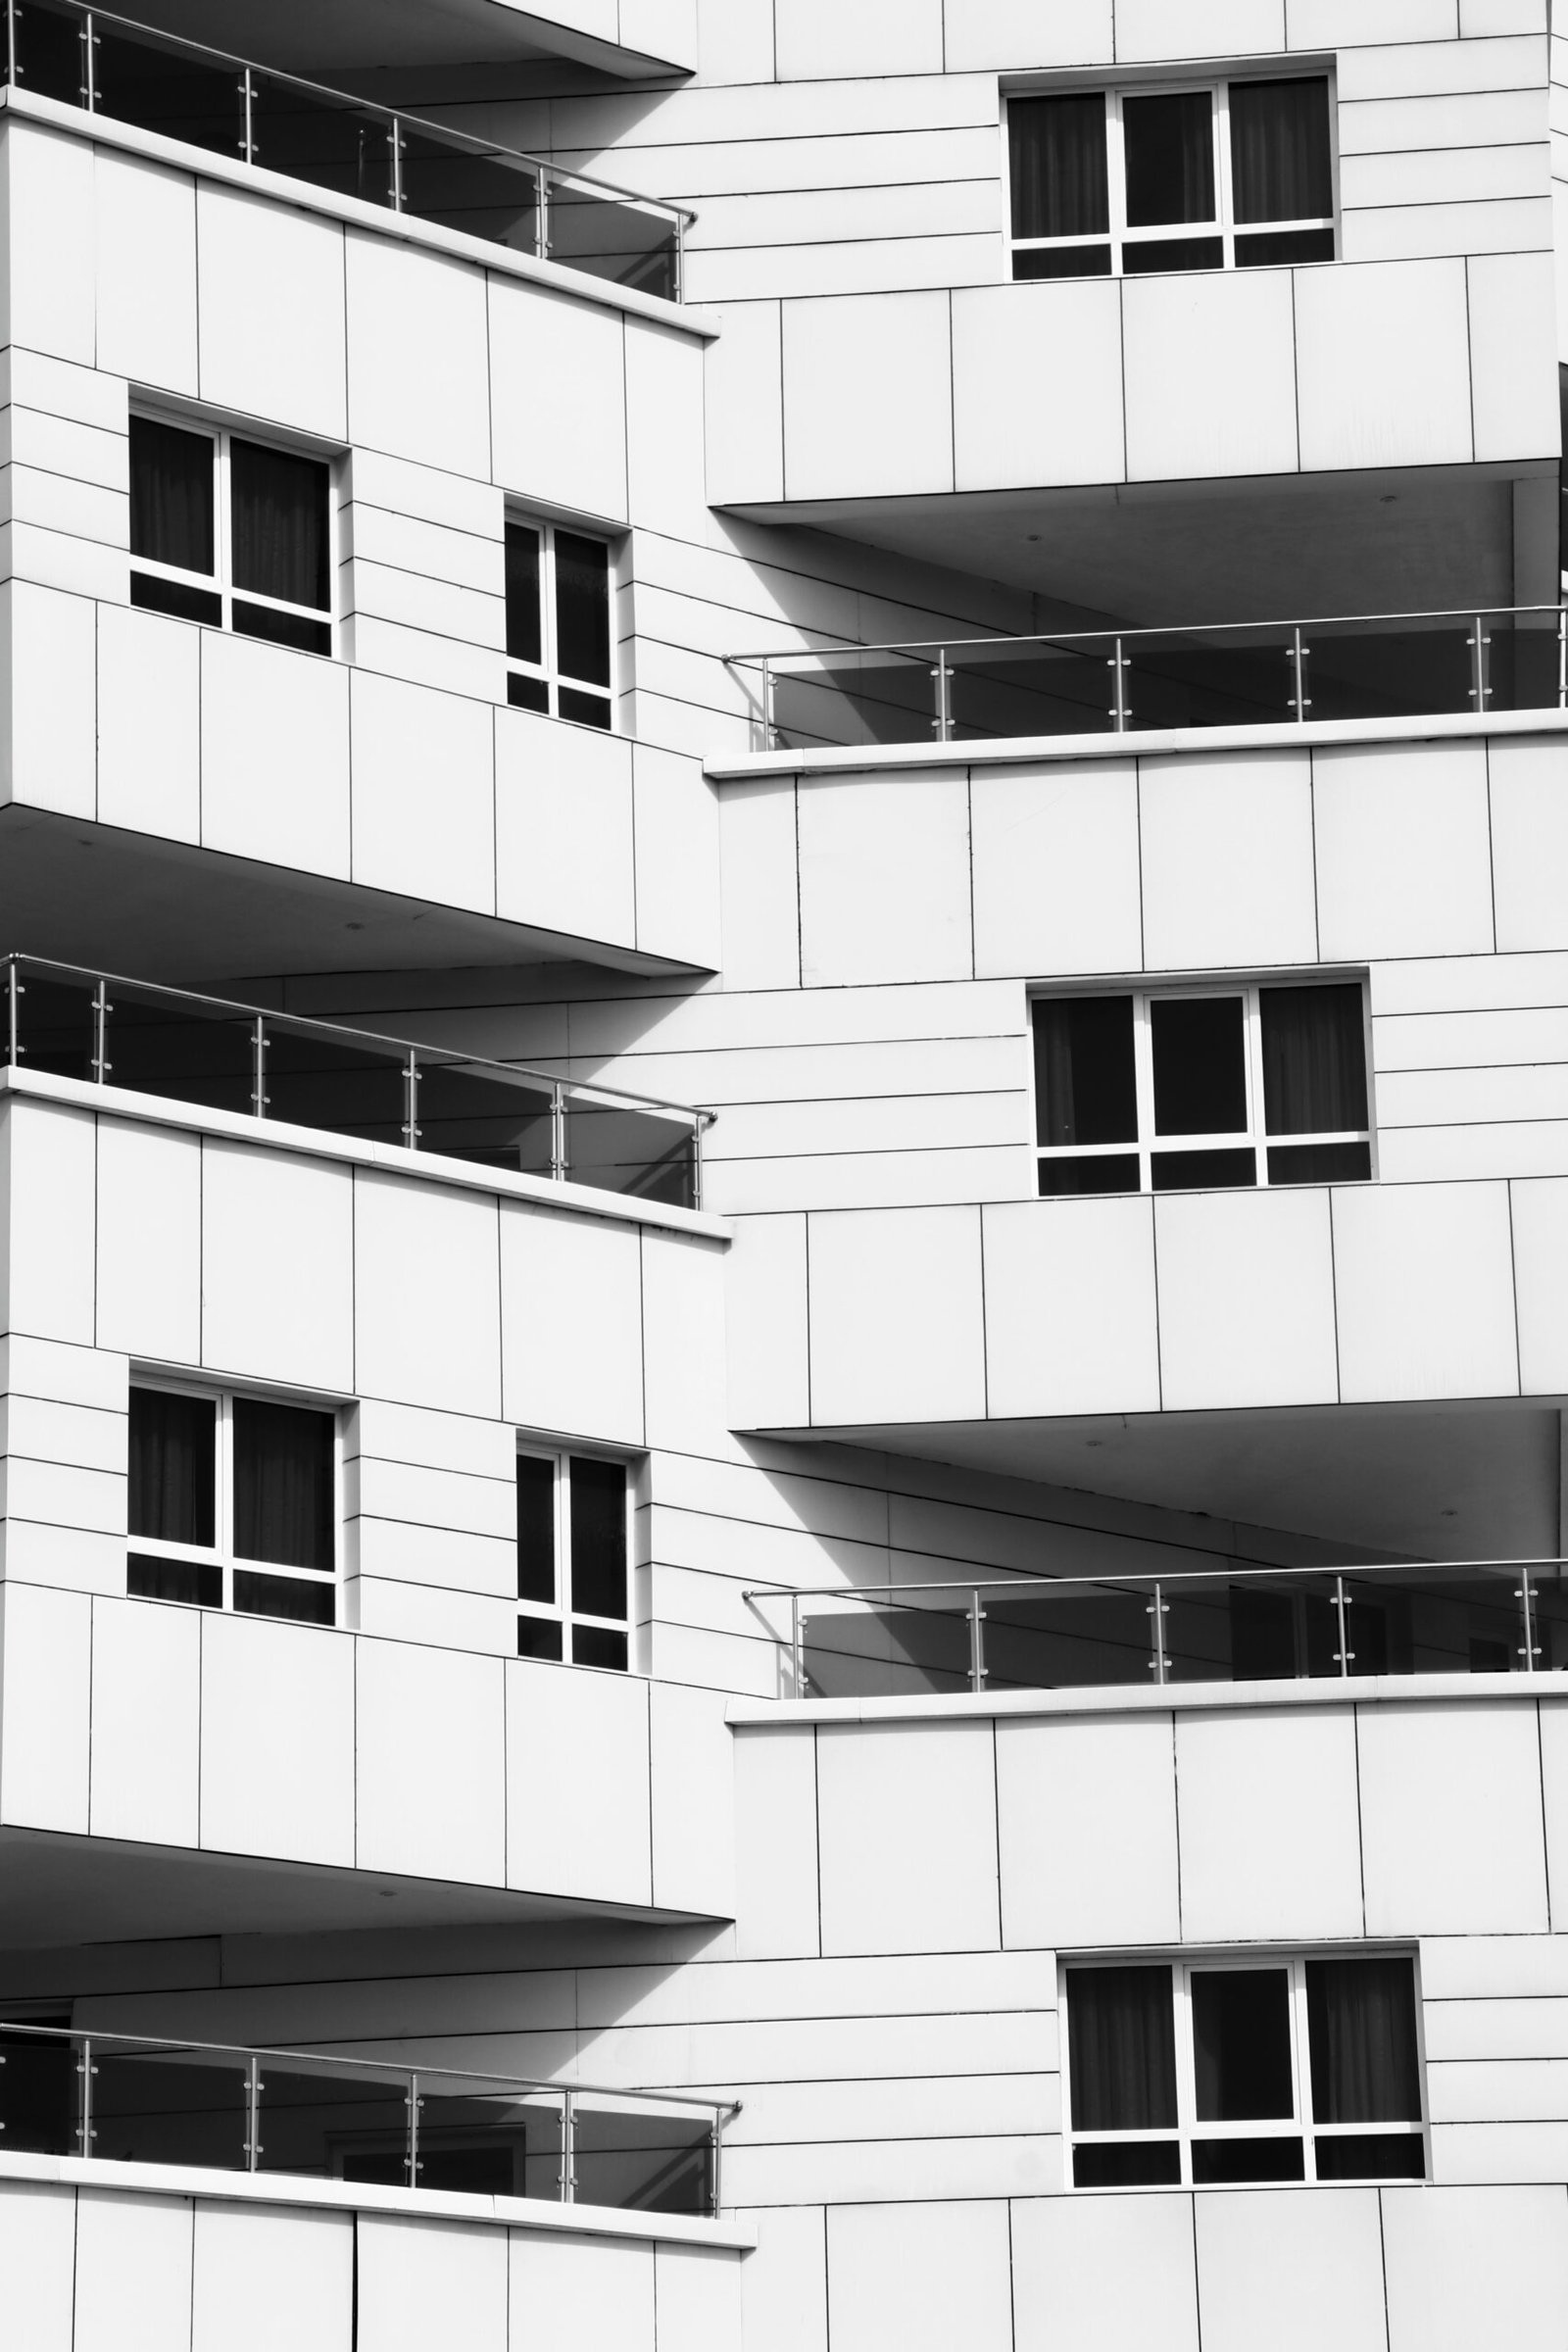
(1372, 2156)
(1085, 1088)
(1127, 2164)
(524, 632)
(1063, 261)
(1242, 2044)
(539, 1637)
(279, 508)
(1361, 2021)
(1057, 151)
(1150, 255)
(1199, 1066)
(1319, 1164)
(597, 1646)
(284, 1597)
(1122, 2050)
(283, 1503)
(173, 1454)
(582, 608)
(598, 1538)
(527, 694)
(588, 709)
(281, 628)
(1314, 1059)
(1108, 1172)
(199, 1584)
(178, 597)
(1170, 158)
(536, 1529)
(1247, 2160)
(171, 494)
(1203, 1171)
(1279, 245)
(1281, 169)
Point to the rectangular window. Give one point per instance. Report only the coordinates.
(1229, 175)
(231, 532)
(559, 646)
(1194, 2073)
(234, 1503)
(573, 1560)
(1186, 1090)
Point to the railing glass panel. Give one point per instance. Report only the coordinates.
(648, 2162)
(333, 2121)
(1060, 1634)
(1032, 688)
(317, 1080)
(51, 51)
(1241, 678)
(493, 2141)
(40, 2094)
(489, 196)
(55, 1025)
(180, 1050)
(622, 1149)
(326, 140)
(169, 2106)
(854, 698)
(483, 1115)
(629, 243)
(163, 87)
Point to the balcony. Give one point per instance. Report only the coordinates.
(1380, 666)
(203, 98)
(1246, 1624)
(203, 1051)
(288, 2116)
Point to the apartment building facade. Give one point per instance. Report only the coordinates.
(785, 1142)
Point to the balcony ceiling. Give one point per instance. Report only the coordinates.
(154, 910)
(57, 1891)
(1464, 1480)
(326, 36)
(1154, 554)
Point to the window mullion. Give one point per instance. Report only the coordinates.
(1186, 2069)
(1115, 177)
(1302, 2066)
(563, 1550)
(1224, 200)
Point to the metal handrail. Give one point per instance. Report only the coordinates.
(678, 216)
(1141, 1580)
(451, 1057)
(925, 646)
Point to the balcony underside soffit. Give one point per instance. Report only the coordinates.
(335, 36)
(59, 1890)
(153, 909)
(1166, 553)
(1449, 1480)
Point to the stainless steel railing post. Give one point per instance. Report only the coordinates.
(557, 1133)
(1344, 1656)
(1525, 1595)
(89, 78)
(101, 1009)
(1159, 1664)
(411, 2159)
(260, 1097)
(1479, 682)
(411, 1102)
(767, 730)
(1119, 713)
(943, 675)
(10, 41)
(84, 2126)
(542, 217)
(797, 1663)
(1300, 701)
(1562, 656)
(247, 131)
(977, 1645)
(714, 2184)
(569, 2148)
(252, 2115)
(14, 992)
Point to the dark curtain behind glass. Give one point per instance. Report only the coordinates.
(1170, 158)
(598, 1538)
(280, 525)
(1361, 2023)
(1242, 2044)
(171, 495)
(524, 634)
(283, 1485)
(173, 1454)
(1121, 2041)
(1057, 147)
(536, 1529)
(1280, 167)
(582, 608)
(1314, 1059)
(1086, 1090)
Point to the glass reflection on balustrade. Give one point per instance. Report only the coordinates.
(647, 2162)
(332, 2122)
(40, 2094)
(50, 51)
(490, 2140)
(854, 698)
(178, 1049)
(623, 1149)
(850, 1649)
(625, 242)
(160, 86)
(470, 1113)
(1030, 688)
(319, 137)
(55, 1025)
(169, 2106)
(317, 1080)
(487, 196)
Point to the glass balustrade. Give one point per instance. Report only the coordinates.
(1240, 1626)
(129, 2100)
(989, 689)
(65, 1023)
(180, 89)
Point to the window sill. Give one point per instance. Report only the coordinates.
(357, 2197)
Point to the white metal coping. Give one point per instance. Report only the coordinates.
(318, 1143)
(1169, 1698)
(1125, 750)
(301, 196)
(398, 2204)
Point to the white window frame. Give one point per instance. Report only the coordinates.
(1299, 2125)
(1256, 1137)
(1224, 225)
(548, 670)
(220, 582)
(222, 1553)
(560, 1610)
